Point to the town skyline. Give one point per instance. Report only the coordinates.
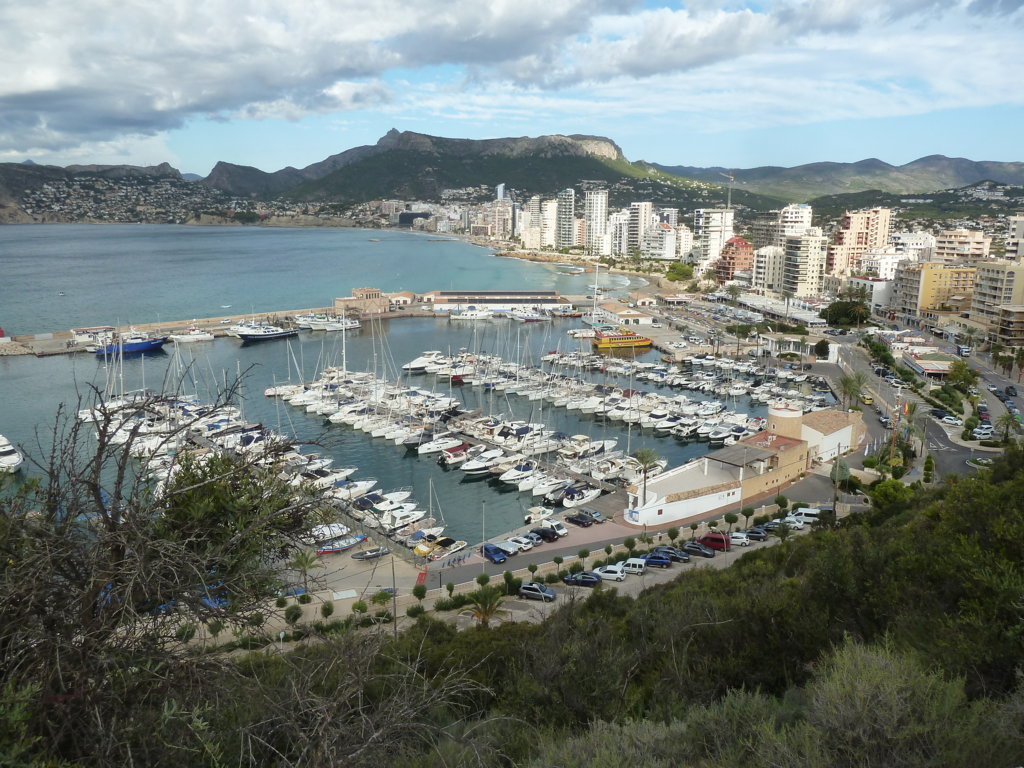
(710, 84)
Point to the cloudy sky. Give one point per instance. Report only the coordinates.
(271, 83)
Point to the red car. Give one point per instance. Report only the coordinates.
(715, 540)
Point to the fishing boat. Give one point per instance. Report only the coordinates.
(334, 546)
(527, 316)
(622, 338)
(131, 343)
(371, 554)
(10, 457)
(535, 514)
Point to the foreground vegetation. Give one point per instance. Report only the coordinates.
(893, 639)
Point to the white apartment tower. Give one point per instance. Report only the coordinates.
(684, 241)
(618, 231)
(565, 233)
(712, 227)
(548, 223)
(641, 217)
(595, 214)
(859, 232)
(768, 264)
(773, 227)
(804, 263)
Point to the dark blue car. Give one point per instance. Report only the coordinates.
(657, 560)
(582, 579)
(493, 553)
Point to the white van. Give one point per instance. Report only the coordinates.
(635, 565)
(555, 526)
(807, 515)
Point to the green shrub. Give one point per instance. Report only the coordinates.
(414, 611)
(327, 609)
(281, 602)
(292, 614)
(452, 603)
(991, 443)
(870, 462)
(305, 598)
(800, 505)
(966, 434)
(971, 422)
(551, 578)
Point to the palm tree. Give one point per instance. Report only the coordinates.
(647, 459)
(995, 349)
(1006, 422)
(851, 387)
(787, 295)
(734, 292)
(486, 603)
(970, 335)
(1018, 359)
(304, 561)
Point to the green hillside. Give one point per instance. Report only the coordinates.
(947, 204)
(418, 175)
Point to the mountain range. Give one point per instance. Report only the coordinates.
(805, 182)
(418, 166)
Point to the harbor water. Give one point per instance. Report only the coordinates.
(31, 389)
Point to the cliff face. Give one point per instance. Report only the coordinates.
(248, 181)
(543, 146)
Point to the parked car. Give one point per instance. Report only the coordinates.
(614, 572)
(510, 548)
(493, 553)
(715, 540)
(739, 538)
(756, 534)
(582, 579)
(533, 538)
(696, 548)
(657, 560)
(596, 516)
(940, 414)
(793, 522)
(955, 421)
(545, 534)
(673, 553)
(524, 544)
(554, 525)
(534, 590)
(1011, 391)
(580, 519)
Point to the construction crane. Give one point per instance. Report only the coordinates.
(729, 176)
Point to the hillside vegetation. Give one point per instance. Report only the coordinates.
(894, 639)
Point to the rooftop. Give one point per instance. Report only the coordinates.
(827, 422)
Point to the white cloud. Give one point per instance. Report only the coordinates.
(82, 73)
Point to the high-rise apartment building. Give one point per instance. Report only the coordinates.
(565, 232)
(859, 232)
(737, 256)
(768, 264)
(618, 231)
(917, 246)
(659, 242)
(548, 223)
(684, 241)
(996, 283)
(668, 215)
(1015, 237)
(804, 263)
(923, 286)
(961, 246)
(712, 228)
(773, 227)
(641, 217)
(595, 214)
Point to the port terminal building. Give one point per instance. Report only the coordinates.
(756, 467)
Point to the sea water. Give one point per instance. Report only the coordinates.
(157, 274)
